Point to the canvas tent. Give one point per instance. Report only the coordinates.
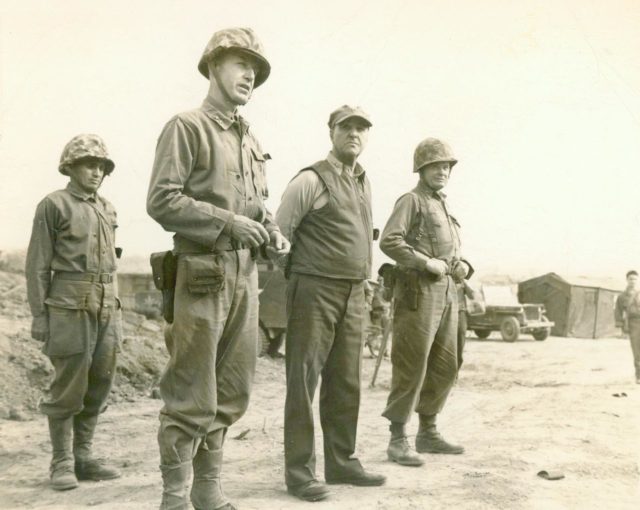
(579, 307)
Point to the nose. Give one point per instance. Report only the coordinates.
(250, 73)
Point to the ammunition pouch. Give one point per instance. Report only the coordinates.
(164, 266)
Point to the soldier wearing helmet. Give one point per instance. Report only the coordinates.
(72, 293)
(423, 238)
(208, 187)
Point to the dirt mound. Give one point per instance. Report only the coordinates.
(25, 372)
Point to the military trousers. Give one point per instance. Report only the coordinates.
(634, 337)
(324, 339)
(85, 328)
(424, 352)
(212, 345)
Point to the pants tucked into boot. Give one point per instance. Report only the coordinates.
(206, 492)
(62, 475)
(87, 467)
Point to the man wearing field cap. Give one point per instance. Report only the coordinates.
(424, 240)
(326, 212)
(208, 186)
(72, 293)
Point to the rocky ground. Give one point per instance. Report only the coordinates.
(567, 405)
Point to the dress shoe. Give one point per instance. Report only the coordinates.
(362, 479)
(313, 490)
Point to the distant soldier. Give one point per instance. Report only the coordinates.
(71, 288)
(627, 316)
(209, 186)
(422, 237)
(326, 212)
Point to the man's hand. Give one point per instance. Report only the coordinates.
(460, 271)
(40, 328)
(248, 232)
(278, 245)
(437, 267)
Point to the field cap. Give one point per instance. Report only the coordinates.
(346, 112)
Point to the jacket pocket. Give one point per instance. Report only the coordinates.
(205, 274)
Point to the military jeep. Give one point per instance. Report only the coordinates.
(503, 313)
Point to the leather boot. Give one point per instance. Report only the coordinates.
(399, 450)
(86, 466)
(61, 471)
(206, 492)
(429, 440)
(175, 479)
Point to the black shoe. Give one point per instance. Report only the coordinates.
(313, 490)
(362, 479)
(95, 470)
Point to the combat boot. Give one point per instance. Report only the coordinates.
(88, 467)
(399, 450)
(61, 471)
(206, 492)
(429, 440)
(175, 479)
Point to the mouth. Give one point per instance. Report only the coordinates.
(245, 88)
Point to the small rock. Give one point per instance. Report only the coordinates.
(155, 394)
(17, 415)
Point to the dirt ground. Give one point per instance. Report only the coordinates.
(517, 408)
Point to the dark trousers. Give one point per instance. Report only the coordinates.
(324, 338)
(424, 353)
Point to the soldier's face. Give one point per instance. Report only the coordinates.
(436, 175)
(87, 174)
(235, 73)
(632, 281)
(349, 138)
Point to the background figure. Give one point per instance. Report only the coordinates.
(208, 186)
(627, 316)
(71, 288)
(423, 238)
(326, 212)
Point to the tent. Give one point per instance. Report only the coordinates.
(579, 307)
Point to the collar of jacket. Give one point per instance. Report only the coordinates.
(357, 171)
(429, 191)
(224, 121)
(79, 194)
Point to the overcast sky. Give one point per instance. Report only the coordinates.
(540, 101)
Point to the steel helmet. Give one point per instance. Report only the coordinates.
(432, 150)
(85, 146)
(240, 39)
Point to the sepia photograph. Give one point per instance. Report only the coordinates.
(339, 255)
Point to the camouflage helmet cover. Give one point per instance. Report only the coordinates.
(240, 39)
(432, 150)
(84, 146)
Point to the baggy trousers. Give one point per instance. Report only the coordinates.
(212, 345)
(634, 337)
(424, 353)
(82, 344)
(324, 338)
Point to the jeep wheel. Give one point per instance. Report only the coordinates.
(482, 333)
(510, 329)
(263, 341)
(542, 333)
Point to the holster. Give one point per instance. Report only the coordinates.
(408, 281)
(164, 266)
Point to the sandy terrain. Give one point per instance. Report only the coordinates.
(518, 408)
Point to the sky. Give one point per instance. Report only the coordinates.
(540, 101)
